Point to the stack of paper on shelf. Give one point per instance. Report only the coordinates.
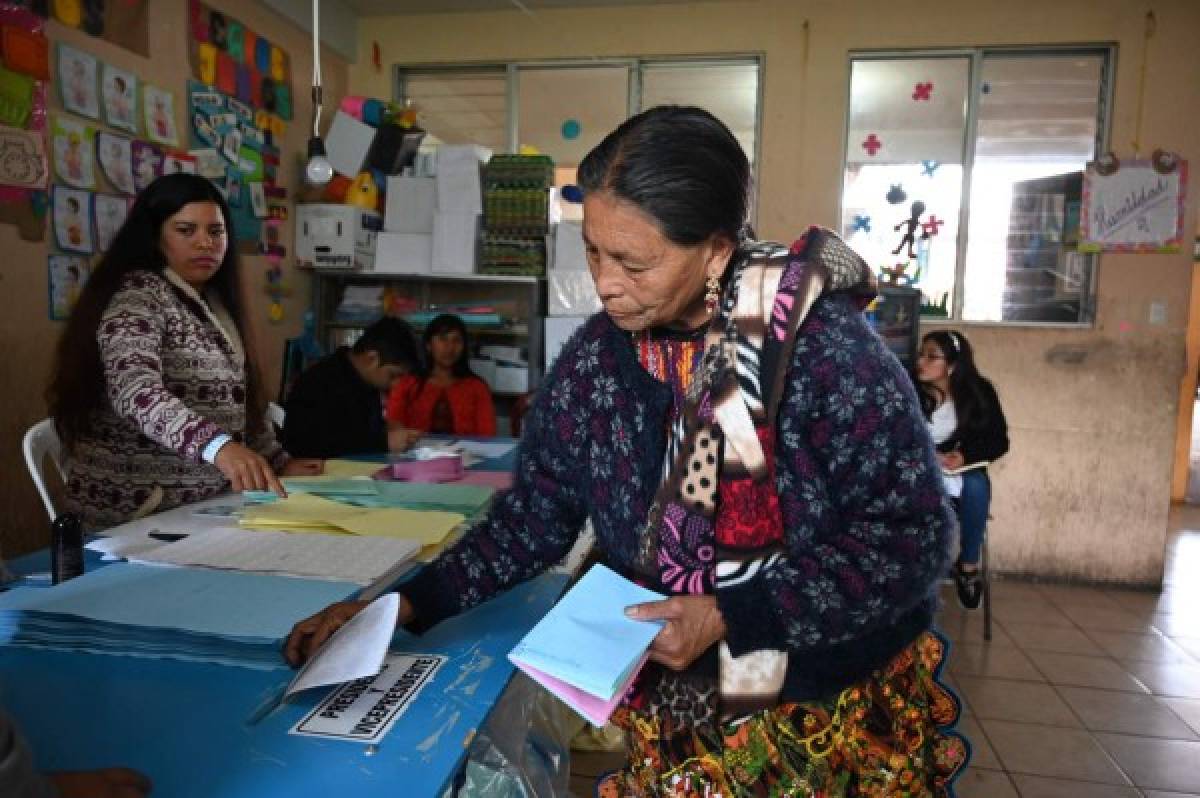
(586, 651)
(200, 615)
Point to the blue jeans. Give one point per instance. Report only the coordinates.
(973, 505)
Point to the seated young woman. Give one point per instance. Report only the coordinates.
(445, 397)
(969, 430)
(155, 390)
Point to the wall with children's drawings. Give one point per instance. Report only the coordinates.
(1085, 492)
(28, 335)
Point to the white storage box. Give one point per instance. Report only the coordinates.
(511, 377)
(484, 368)
(410, 205)
(558, 330)
(332, 236)
(347, 143)
(571, 293)
(569, 252)
(459, 187)
(404, 253)
(455, 240)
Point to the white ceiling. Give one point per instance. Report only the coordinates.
(369, 8)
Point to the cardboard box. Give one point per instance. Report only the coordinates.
(347, 144)
(332, 236)
(455, 242)
(571, 293)
(404, 253)
(410, 205)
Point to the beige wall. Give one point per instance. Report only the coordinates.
(26, 334)
(1085, 492)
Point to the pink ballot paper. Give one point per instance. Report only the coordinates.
(586, 651)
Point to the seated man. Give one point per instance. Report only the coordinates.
(336, 406)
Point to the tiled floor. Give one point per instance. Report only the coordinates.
(1082, 692)
(1085, 692)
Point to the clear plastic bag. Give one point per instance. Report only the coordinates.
(523, 751)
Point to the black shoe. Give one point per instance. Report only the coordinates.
(969, 585)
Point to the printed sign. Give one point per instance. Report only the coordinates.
(365, 710)
(1136, 207)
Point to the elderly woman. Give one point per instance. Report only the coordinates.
(742, 441)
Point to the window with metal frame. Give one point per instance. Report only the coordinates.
(564, 108)
(1008, 129)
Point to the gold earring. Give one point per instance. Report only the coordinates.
(712, 292)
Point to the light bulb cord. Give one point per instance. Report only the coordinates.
(316, 78)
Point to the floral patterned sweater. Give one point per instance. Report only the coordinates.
(865, 519)
(175, 373)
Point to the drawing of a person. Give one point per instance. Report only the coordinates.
(121, 109)
(73, 159)
(73, 223)
(78, 84)
(161, 121)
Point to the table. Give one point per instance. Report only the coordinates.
(187, 725)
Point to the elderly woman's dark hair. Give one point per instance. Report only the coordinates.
(681, 166)
(77, 384)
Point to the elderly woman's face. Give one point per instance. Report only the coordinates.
(643, 279)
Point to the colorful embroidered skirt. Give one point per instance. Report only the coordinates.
(889, 735)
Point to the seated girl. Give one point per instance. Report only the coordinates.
(445, 397)
(970, 432)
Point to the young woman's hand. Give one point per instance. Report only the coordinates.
(303, 467)
(401, 439)
(693, 624)
(246, 469)
(308, 635)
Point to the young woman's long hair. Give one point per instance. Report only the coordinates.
(970, 401)
(447, 322)
(77, 385)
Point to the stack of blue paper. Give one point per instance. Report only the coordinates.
(198, 614)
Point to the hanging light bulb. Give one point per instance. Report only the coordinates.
(318, 171)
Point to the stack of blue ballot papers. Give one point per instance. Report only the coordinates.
(586, 650)
(196, 614)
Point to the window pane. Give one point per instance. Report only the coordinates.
(903, 180)
(565, 112)
(727, 91)
(461, 106)
(1038, 121)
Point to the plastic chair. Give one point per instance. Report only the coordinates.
(986, 571)
(41, 440)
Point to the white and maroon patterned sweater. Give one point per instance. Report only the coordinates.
(175, 370)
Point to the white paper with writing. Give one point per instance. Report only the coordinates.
(366, 709)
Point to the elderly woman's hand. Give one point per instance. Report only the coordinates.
(693, 624)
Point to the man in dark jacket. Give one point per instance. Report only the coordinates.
(336, 406)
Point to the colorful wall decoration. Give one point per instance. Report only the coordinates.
(125, 23)
(240, 64)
